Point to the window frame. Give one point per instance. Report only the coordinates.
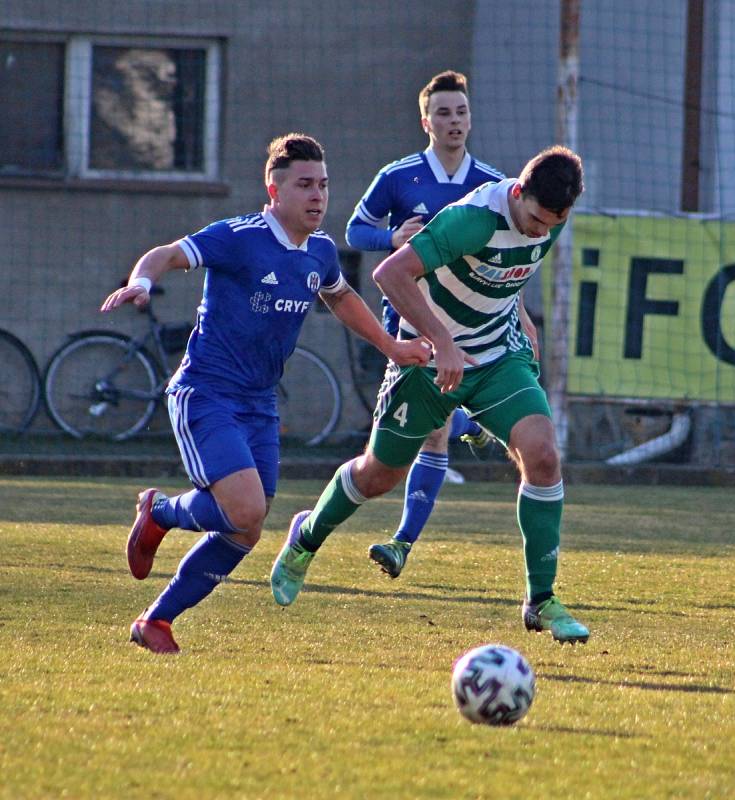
(76, 117)
(78, 108)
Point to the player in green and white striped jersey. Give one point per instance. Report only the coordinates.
(457, 283)
(474, 265)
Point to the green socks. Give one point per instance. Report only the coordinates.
(339, 501)
(539, 518)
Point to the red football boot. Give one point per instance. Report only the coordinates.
(154, 635)
(145, 536)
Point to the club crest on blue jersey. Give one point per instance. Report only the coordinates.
(313, 281)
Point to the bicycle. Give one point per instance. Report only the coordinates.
(107, 384)
(20, 384)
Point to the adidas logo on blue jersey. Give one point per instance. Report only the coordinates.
(420, 209)
(270, 279)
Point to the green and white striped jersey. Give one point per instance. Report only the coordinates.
(476, 264)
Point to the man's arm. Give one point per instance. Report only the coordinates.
(353, 312)
(150, 267)
(376, 204)
(528, 327)
(364, 236)
(396, 277)
(363, 231)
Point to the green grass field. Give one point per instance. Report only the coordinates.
(346, 694)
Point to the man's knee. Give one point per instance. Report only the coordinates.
(246, 517)
(544, 457)
(533, 447)
(540, 464)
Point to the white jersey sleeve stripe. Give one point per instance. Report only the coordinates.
(404, 163)
(489, 170)
(191, 251)
(365, 215)
(335, 287)
(248, 223)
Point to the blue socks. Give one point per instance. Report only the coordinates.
(211, 559)
(425, 480)
(196, 510)
(462, 424)
(208, 563)
(422, 487)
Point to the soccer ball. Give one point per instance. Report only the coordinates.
(493, 685)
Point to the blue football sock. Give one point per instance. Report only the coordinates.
(196, 510)
(208, 563)
(462, 424)
(422, 487)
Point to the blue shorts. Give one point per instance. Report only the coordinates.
(215, 440)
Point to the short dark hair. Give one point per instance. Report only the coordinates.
(447, 81)
(554, 178)
(283, 150)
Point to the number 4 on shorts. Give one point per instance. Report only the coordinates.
(401, 414)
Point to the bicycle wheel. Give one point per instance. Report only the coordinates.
(101, 385)
(309, 398)
(20, 385)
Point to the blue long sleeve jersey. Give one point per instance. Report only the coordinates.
(415, 185)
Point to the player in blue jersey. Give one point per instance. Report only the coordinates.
(263, 273)
(409, 192)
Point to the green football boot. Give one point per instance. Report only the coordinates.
(289, 568)
(551, 615)
(391, 556)
(478, 442)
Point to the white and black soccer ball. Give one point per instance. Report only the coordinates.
(493, 685)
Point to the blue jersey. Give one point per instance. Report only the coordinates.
(258, 289)
(417, 185)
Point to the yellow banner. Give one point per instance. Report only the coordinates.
(652, 308)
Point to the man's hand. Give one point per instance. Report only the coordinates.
(406, 231)
(127, 294)
(415, 352)
(450, 361)
(150, 268)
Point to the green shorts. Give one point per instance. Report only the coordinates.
(410, 405)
